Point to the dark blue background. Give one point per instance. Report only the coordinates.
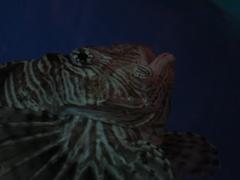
(204, 39)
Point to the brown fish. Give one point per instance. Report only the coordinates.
(96, 113)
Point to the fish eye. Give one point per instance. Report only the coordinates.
(142, 72)
(81, 57)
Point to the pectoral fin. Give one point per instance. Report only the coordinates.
(40, 145)
(29, 144)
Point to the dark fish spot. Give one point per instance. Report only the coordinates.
(186, 155)
(182, 163)
(203, 138)
(134, 171)
(189, 146)
(144, 161)
(211, 172)
(158, 148)
(206, 161)
(72, 170)
(52, 56)
(166, 167)
(45, 115)
(30, 117)
(143, 157)
(155, 132)
(152, 172)
(107, 176)
(214, 151)
(8, 119)
(204, 151)
(190, 134)
(193, 141)
(5, 125)
(143, 154)
(176, 133)
(215, 162)
(89, 174)
(17, 109)
(196, 170)
(55, 117)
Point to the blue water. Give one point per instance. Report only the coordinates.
(204, 39)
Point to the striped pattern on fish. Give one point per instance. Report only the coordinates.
(74, 144)
(96, 113)
(46, 82)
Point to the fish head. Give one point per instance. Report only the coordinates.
(128, 77)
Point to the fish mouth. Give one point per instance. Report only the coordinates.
(149, 57)
(161, 66)
(159, 63)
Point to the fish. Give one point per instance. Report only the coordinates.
(96, 113)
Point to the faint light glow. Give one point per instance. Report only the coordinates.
(231, 6)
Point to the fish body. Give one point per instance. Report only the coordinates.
(95, 113)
